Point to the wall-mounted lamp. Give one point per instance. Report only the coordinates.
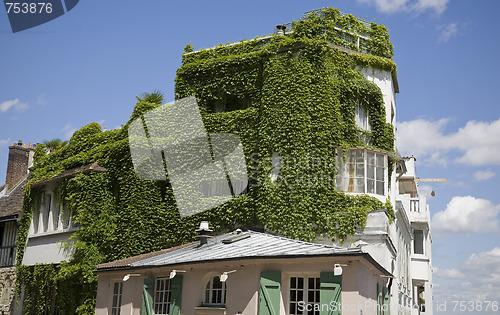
(174, 272)
(337, 270)
(128, 275)
(223, 276)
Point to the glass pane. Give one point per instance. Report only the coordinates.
(370, 172)
(310, 283)
(380, 160)
(292, 308)
(380, 188)
(310, 296)
(293, 295)
(370, 158)
(351, 156)
(360, 156)
(300, 295)
(359, 185)
(217, 283)
(300, 283)
(380, 173)
(293, 282)
(360, 170)
(370, 186)
(317, 283)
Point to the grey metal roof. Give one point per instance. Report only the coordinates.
(246, 245)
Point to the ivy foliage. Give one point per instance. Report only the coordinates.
(288, 96)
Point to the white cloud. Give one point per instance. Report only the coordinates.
(15, 104)
(387, 6)
(418, 6)
(439, 6)
(479, 142)
(42, 99)
(68, 130)
(447, 32)
(467, 215)
(448, 273)
(477, 279)
(484, 175)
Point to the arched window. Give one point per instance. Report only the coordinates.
(215, 292)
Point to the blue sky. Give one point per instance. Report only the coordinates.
(89, 65)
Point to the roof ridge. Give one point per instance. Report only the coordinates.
(298, 241)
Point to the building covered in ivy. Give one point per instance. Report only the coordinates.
(314, 108)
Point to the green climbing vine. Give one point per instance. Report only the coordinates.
(293, 96)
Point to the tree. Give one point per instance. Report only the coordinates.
(54, 144)
(156, 97)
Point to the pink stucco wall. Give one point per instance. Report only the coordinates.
(359, 281)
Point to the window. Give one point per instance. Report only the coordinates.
(52, 215)
(304, 294)
(117, 298)
(215, 292)
(47, 203)
(8, 233)
(56, 212)
(418, 242)
(230, 103)
(364, 171)
(163, 291)
(361, 118)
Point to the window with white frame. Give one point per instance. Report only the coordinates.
(117, 298)
(215, 292)
(52, 215)
(361, 118)
(418, 241)
(47, 204)
(163, 291)
(304, 295)
(362, 170)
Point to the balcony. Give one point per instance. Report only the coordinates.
(417, 208)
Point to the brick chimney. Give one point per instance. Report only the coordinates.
(20, 158)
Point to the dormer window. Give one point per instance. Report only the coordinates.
(363, 171)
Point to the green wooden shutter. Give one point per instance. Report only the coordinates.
(386, 310)
(175, 295)
(270, 293)
(148, 290)
(379, 300)
(330, 294)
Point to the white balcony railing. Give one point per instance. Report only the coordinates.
(414, 205)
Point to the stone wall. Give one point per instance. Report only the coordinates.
(7, 289)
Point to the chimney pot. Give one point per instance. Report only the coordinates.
(203, 233)
(20, 142)
(280, 29)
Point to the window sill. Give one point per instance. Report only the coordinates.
(210, 310)
(419, 257)
(382, 198)
(48, 233)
